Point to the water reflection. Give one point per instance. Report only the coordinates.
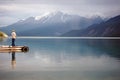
(109, 47)
(13, 60)
(58, 59)
(59, 54)
(13, 50)
(71, 48)
(2, 39)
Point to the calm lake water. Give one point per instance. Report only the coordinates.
(63, 59)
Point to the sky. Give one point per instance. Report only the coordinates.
(12, 11)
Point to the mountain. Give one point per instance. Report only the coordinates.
(50, 24)
(109, 28)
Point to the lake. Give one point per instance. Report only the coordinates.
(62, 59)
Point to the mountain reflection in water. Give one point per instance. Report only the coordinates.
(64, 59)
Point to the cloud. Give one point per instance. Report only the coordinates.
(62, 2)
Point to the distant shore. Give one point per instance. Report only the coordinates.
(3, 35)
(50, 37)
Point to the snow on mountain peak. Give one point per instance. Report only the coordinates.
(44, 15)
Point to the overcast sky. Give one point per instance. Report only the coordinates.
(13, 10)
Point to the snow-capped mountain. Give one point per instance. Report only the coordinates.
(50, 24)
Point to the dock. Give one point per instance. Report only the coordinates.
(9, 49)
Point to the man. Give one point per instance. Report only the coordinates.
(13, 34)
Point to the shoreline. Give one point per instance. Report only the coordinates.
(39, 37)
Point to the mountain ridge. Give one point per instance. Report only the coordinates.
(52, 24)
(109, 28)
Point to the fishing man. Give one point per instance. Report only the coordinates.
(13, 34)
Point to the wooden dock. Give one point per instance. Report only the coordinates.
(9, 49)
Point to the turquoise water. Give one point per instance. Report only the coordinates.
(63, 59)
